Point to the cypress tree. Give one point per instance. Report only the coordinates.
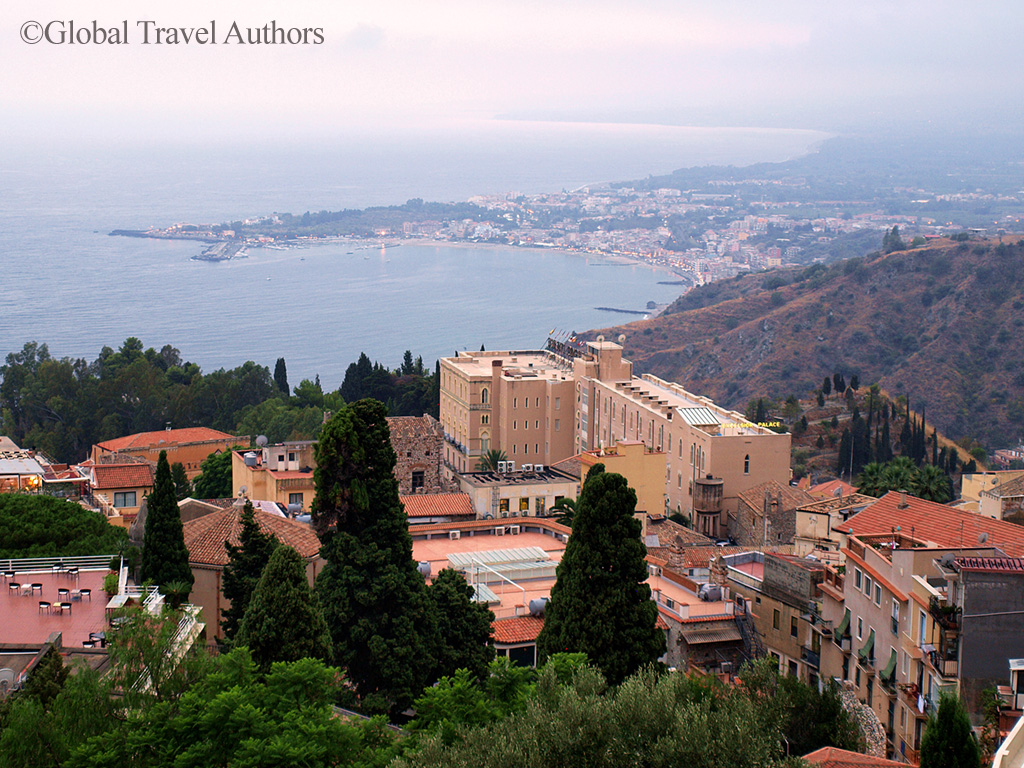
(826, 386)
(464, 625)
(375, 600)
(246, 563)
(284, 621)
(164, 555)
(935, 447)
(281, 376)
(182, 485)
(600, 604)
(948, 741)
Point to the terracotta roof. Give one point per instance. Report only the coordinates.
(827, 490)
(438, 505)
(1010, 488)
(936, 523)
(670, 533)
(205, 536)
(570, 466)
(660, 622)
(832, 757)
(122, 476)
(833, 503)
(521, 629)
(991, 564)
(412, 426)
(791, 497)
(164, 437)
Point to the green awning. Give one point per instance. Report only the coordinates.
(868, 650)
(890, 669)
(844, 625)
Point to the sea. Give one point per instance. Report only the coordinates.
(65, 282)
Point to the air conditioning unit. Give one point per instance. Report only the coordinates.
(564, 538)
(454, 535)
(504, 514)
(514, 530)
(527, 467)
(499, 531)
(503, 467)
(652, 569)
(511, 466)
(538, 467)
(726, 667)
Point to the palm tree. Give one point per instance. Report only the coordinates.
(899, 474)
(489, 460)
(564, 511)
(931, 483)
(872, 479)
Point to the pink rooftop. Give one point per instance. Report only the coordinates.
(24, 622)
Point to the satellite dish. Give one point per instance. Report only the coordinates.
(243, 490)
(622, 338)
(600, 338)
(982, 537)
(947, 560)
(261, 441)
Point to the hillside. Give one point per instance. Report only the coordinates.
(941, 324)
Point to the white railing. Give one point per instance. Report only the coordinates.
(39, 564)
(1011, 752)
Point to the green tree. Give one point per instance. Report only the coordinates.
(948, 740)
(281, 376)
(214, 480)
(871, 481)
(931, 483)
(826, 386)
(244, 568)
(43, 526)
(164, 555)
(182, 485)
(284, 620)
(488, 461)
(564, 510)
(463, 624)
(375, 600)
(600, 604)
(821, 399)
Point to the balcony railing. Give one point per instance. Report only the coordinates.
(945, 667)
(812, 657)
(948, 616)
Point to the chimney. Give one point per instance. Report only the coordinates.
(903, 499)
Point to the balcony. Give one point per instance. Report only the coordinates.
(936, 692)
(834, 579)
(479, 406)
(949, 668)
(811, 657)
(947, 616)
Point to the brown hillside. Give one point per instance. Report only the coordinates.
(943, 325)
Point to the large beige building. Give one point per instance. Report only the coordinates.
(545, 406)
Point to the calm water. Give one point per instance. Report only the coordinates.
(63, 281)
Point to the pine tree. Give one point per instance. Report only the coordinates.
(281, 376)
(375, 601)
(284, 620)
(948, 740)
(164, 555)
(182, 485)
(600, 604)
(246, 563)
(826, 386)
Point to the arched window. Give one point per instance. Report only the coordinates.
(746, 464)
(485, 441)
(485, 396)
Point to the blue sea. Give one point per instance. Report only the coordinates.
(65, 282)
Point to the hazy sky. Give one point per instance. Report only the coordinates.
(420, 65)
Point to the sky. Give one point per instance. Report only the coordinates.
(401, 66)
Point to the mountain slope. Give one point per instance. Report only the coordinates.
(942, 324)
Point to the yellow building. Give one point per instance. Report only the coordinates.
(643, 468)
(281, 473)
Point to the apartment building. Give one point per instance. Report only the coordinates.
(545, 406)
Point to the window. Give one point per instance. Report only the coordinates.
(858, 677)
(793, 631)
(515, 402)
(920, 627)
(485, 396)
(878, 594)
(539, 506)
(793, 669)
(503, 505)
(558, 424)
(858, 577)
(294, 498)
(280, 457)
(895, 624)
(776, 619)
(536, 401)
(860, 628)
(868, 583)
(513, 449)
(417, 479)
(485, 418)
(125, 499)
(524, 504)
(291, 457)
(536, 423)
(558, 403)
(746, 464)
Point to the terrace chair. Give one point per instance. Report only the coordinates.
(37, 585)
(65, 607)
(44, 605)
(86, 593)
(13, 586)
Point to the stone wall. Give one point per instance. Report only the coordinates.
(419, 447)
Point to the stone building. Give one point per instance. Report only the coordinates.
(766, 514)
(419, 449)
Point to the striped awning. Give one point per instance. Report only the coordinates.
(721, 633)
(699, 417)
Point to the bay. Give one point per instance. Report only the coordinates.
(65, 282)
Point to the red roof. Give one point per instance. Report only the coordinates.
(164, 438)
(991, 564)
(827, 490)
(522, 629)
(205, 536)
(832, 757)
(122, 476)
(438, 505)
(936, 523)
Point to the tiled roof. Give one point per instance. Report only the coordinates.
(570, 466)
(438, 505)
(164, 437)
(991, 564)
(832, 757)
(832, 503)
(522, 629)
(1010, 488)
(122, 476)
(791, 497)
(412, 426)
(936, 523)
(205, 536)
(826, 490)
(670, 533)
